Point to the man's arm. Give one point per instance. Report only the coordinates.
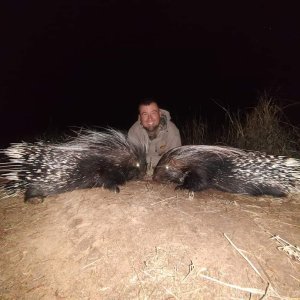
(174, 138)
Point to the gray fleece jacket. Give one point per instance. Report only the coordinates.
(168, 137)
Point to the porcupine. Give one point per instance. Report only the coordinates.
(198, 167)
(91, 159)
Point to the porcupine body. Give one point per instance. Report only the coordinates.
(198, 167)
(91, 159)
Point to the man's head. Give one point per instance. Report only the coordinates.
(150, 114)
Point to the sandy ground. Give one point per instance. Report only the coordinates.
(149, 242)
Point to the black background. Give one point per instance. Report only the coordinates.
(88, 63)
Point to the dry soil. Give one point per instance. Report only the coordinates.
(150, 242)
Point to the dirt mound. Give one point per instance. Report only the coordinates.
(149, 242)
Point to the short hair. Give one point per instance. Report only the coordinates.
(148, 101)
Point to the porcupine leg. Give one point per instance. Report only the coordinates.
(110, 184)
(195, 181)
(112, 187)
(34, 195)
(100, 175)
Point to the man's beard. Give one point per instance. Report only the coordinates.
(152, 132)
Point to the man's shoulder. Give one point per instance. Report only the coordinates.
(135, 127)
(172, 126)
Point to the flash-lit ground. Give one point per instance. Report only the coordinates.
(149, 242)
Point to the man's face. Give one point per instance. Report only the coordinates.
(150, 116)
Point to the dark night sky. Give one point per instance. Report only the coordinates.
(88, 63)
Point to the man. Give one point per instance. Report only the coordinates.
(155, 130)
